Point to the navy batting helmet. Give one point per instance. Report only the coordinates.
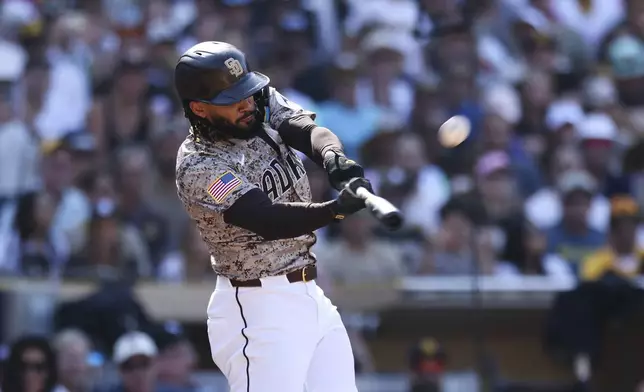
(216, 73)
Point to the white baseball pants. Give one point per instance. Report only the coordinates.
(281, 337)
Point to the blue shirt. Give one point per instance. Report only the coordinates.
(354, 126)
(574, 247)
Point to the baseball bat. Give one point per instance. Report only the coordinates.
(382, 209)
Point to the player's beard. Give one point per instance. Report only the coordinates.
(239, 129)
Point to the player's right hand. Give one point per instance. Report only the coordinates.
(348, 202)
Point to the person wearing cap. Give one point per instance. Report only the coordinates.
(598, 135)
(544, 208)
(354, 121)
(383, 84)
(135, 355)
(570, 241)
(622, 255)
(562, 118)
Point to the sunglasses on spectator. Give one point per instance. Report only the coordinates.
(131, 366)
(32, 366)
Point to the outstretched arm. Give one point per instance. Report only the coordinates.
(298, 130)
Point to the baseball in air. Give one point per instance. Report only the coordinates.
(454, 131)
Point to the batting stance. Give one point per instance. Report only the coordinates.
(271, 328)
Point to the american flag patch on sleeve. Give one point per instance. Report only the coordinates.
(223, 186)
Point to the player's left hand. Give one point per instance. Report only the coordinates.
(341, 169)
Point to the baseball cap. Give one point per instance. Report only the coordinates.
(597, 126)
(392, 39)
(132, 344)
(576, 180)
(14, 61)
(626, 54)
(492, 162)
(624, 206)
(504, 101)
(564, 112)
(599, 90)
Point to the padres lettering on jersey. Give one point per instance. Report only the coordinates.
(212, 176)
(280, 177)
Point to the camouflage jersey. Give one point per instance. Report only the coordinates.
(211, 176)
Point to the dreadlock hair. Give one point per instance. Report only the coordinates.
(201, 128)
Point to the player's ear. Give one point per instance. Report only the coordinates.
(199, 109)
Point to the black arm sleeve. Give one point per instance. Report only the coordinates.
(303, 134)
(255, 212)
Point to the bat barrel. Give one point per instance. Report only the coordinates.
(382, 209)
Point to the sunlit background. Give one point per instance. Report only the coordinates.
(478, 292)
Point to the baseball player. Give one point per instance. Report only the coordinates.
(271, 328)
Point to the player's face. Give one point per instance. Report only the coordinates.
(240, 115)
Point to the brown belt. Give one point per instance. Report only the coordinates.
(304, 274)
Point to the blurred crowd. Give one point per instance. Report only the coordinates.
(162, 361)
(547, 183)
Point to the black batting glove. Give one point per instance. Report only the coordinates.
(340, 169)
(348, 202)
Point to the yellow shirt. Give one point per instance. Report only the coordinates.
(597, 264)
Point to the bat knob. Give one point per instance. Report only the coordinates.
(393, 220)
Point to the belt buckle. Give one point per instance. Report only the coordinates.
(304, 274)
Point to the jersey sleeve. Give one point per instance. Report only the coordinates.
(211, 184)
(281, 109)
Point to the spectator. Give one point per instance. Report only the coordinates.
(191, 263)
(598, 134)
(278, 66)
(544, 208)
(573, 239)
(537, 93)
(427, 361)
(72, 208)
(135, 354)
(498, 135)
(122, 115)
(82, 148)
(19, 153)
(163, 198)
(353, 121)
(501, 203)
(72, 348)
(61, 90)
(563, 119)
(428, 188)
(176, 363)
(602, 16)
(357, 257)
(113, 250)
(133, 173)
(622, 255)
(459, 248)
(31, 367)
(40, 250)
(383, 53)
